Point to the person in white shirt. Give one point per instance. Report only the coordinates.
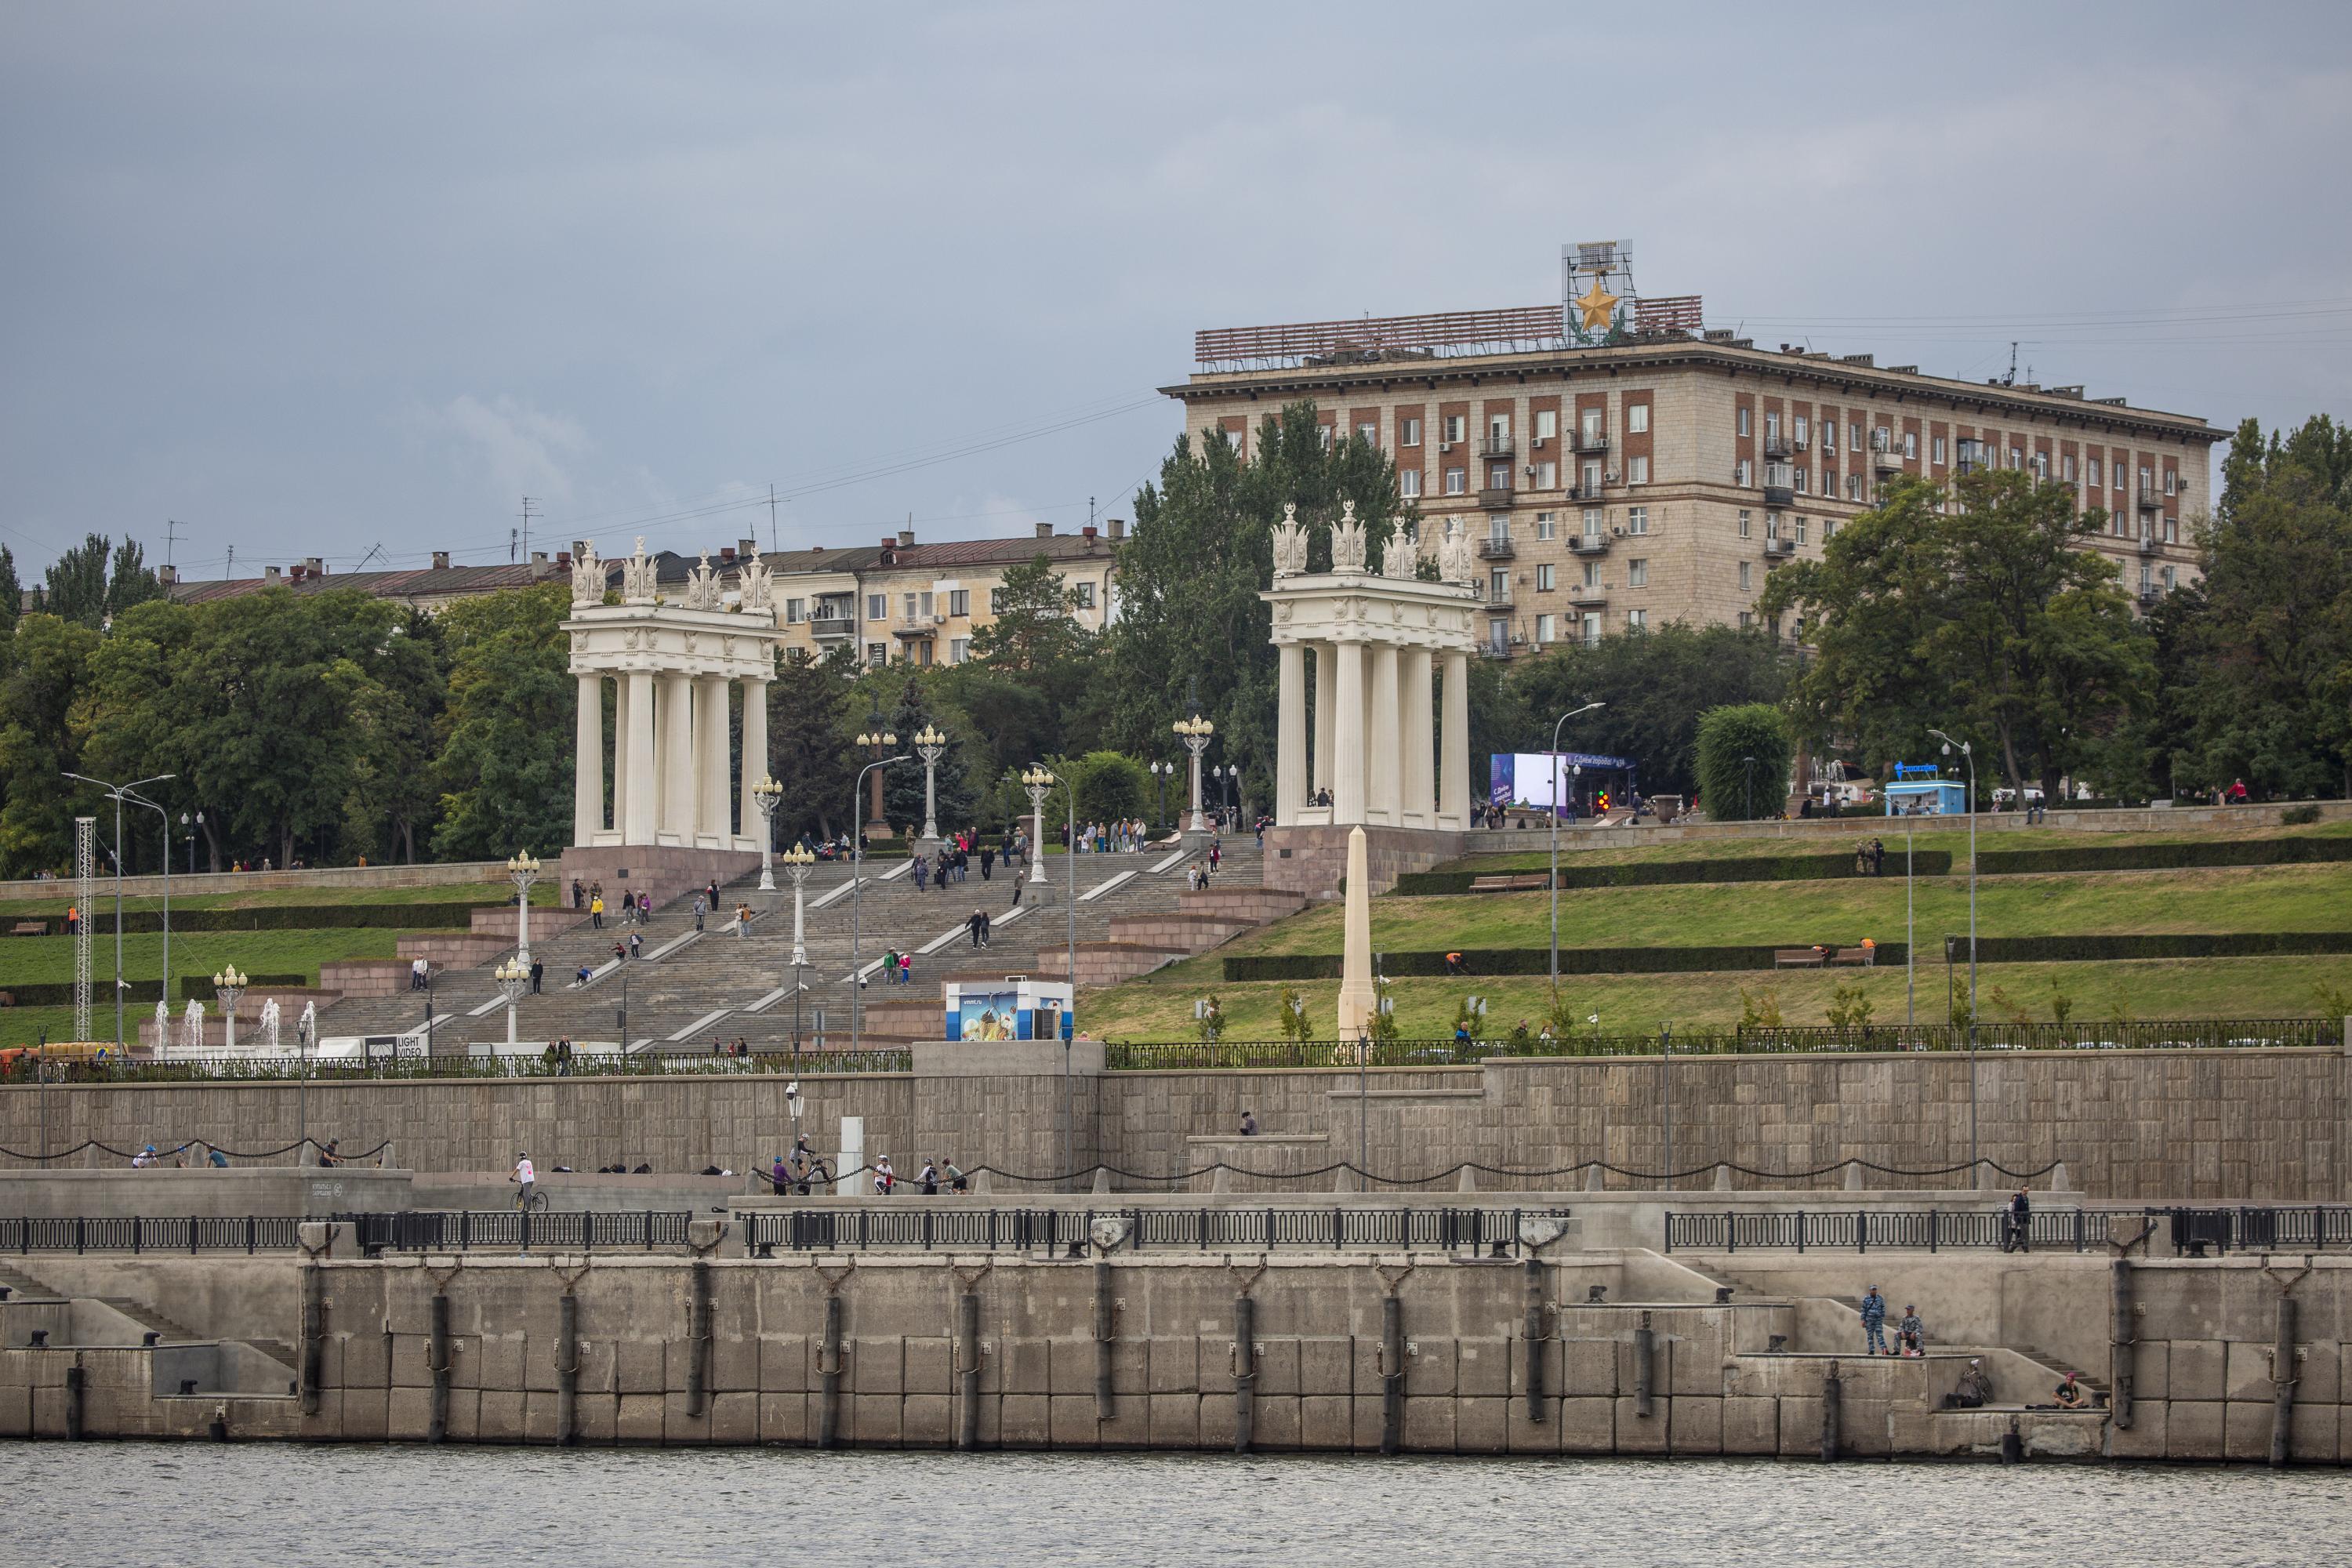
(524, 1176)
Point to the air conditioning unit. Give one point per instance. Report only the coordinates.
(1541, 442)
(1619, 530)
(1530, 469)
(1445, 445)
(1613, 480)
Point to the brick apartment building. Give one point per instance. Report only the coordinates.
(1662, 477)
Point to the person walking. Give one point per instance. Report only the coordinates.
(906, 969)
(636, 944)
(922, 873)
(978, 923)
(957, 1182)
(538, 970)
(890, 966)
(929, 1179)
(700, 909)
(987, 860)
(1874, 1322)
(742, 922)
(579, 894)
(596, 914)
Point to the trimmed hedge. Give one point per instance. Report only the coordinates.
(1656, 873)
(286, 916)
(2185, 855)
(1516, 960)
(59, 993)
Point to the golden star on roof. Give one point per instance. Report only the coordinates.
(1597, 306)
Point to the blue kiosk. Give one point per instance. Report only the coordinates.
(1921, 790)
(1012, 1008)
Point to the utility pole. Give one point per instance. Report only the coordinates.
(170, 536)
(527, 515)
(774, 548)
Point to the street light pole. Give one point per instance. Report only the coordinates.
(166, 818)
(857, 885)
(1554, 878)
(1967, 756)
(798, 863)
(118, 792)
(930, 745)
(523, 871)
(1194, 733)
(1751, 786)
(1039, 782)
(766, 792)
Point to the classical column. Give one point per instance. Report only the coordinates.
(755, 754)
(1457, 778)
(1417, 734)
(1327, 687)
(675, 718)
(588, 761)
(1347, 737)
(1383, 767)
(710, 757)
(640, 796)
(1290, 746)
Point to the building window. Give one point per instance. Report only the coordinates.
(1592, 522)
(1829, 480)
(906, 605)
(2172, 482)
(1592, 574)
(878, 607)
(1408, 481)
(1498, 586)
(1544, 579)
(1743, 525)
(2172, 531)
(1592, 628)
(1911, 444)
(1939, 451)
(1804, 480)
(1547, 475)
(1854, 436)
(1745, 428)
(2066, 467)
(1744, 582)
(1323, 436)
(2091, 473)
(1543, 630)
(1829, 433)
(1590, 420)
(959, 601)
(1637, 620)
(1801, 530)
(1547, 424)
(795, 611)
(2017, 457)
(1829, 528)
(1086, 592)
(1637, 419)
(996, 601)
(1593, 478)
(1547, 525)
(1798, 427)
(876, 654)
(1771, 526)
(1854, 487)
(1637, 471)
(1745, 474)
(1456, 481)
(930, 605)
(959, 649)
(2170, 581)
(1370, 435)
(1637, 520)
(1746, 618)
(1771, 424)
(1498, 427)
(1408, 432)
(1498, 476)
(1637, 574)
(1454, 428)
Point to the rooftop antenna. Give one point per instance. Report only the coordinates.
(2011, 379)
(171, 531)
(527, 515)
(773, 549)
(513, 536)
(231, 562)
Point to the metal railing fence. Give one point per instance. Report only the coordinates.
(919, 1227)
(286, 1069)
(141, 1234)
(2290, 1228)
(1861, 1230)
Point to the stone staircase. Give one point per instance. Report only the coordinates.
(1134, 913)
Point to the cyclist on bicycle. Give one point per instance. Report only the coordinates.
(525, 1176)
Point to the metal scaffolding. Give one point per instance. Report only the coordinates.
(85, 890)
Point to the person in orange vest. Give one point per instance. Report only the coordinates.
(73, 921)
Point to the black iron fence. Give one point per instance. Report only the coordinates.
(189, 1233)
(2302, 1229)
(274, 1069)
(1488, 1232)
(2176, 1034)
(461, 1230)
(1860, 1230)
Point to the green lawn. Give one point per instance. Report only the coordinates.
(1793, 914)
(1159, 1006)
(543, 895)
(31, 1025)
(29, 960)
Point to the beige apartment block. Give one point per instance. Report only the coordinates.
(1660, 480)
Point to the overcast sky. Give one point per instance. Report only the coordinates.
(326, 280)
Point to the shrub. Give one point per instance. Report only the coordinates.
(1653, 873)
(1760, 1009)
(2183, 856)
(1727, 738)
(1850, 1008)
(1294, 1015)
(2299, 815)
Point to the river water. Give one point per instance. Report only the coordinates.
(130, 1505)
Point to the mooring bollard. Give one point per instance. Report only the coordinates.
(314, 1332)
(1644, 1344)
(2012, 1444)
(1832, 1399)
(1244, 1374)
(1392, 1373)
(697, 1335)
(1534, 1339)
(968, 1370)
(1105, 1314)
(437, 1361)
(2283, 1381)
(828, 1370)
(567, 1369)
(75, 1392)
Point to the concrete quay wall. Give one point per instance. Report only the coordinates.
(2233, 1125)
(884, 1352)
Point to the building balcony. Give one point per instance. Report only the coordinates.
(1492, 649)
(1887, 459)
(2148, 594)
(828, 627)
(1495, 549)
(1588, 543)
(1496, 499)
(1581, 493)
(917, 626)
(1588, 598)
(1780, 495)
(2151, 500)
(1498, 446)
(1780, 549)
(1777, 447)
(1591, 441)
(2148, 544)
(1494, 603)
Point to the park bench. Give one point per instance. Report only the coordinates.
(1854, 956)
(1796, 957)
(29, 928)
(1529, 882)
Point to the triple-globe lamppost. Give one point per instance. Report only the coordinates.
(228, 987)
(522, 870)
(766, 794)
(930, 745)
(1194, 733)
(1039, 781)
(799, 861)
(514, 979)
(879, 739)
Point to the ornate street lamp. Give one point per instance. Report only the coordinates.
(798, 862)
(522, 870)
(877, 740)
(1038, 781)
(765, 795)
(514, 979)
(930, 745)
(1159, 772)
(858, 882)
(229, 986)
(1968, 756)
(1194, 733)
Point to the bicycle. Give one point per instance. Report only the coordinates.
(530, 1203)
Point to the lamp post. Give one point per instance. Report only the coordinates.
(1554, 878)
(798, 863)
(522, 870)
(1751, 761)
(1159, 772)
(302, 1028)
(1037, 781)
(858, 882)
(1967, 756)
(129, 793)
(514, 978)
(766, 794)
(119, 793)
(877, 740)
(189, 833)
(228, 987)
(930, 745)
(1194, 733)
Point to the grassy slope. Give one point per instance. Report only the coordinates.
(30, 959)
(543, 895)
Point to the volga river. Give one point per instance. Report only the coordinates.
(131, 1505)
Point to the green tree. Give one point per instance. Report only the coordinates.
(76, 580)
(806, 752)
(1743, 762)
(128, 720)
(1190, 620)
(1991, 618)
(129, 582)
(44, 668)
(392, 803)
(12, 593)
(505, 766)
(1657, 683)
(902, 786)
(1026, 686)
(1110, 785)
